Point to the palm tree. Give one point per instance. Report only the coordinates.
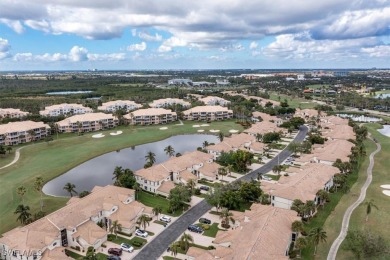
(323, 196)
(191, 184)
(137, 189)
(150, 158)
(185, 241)
(297, 226)
(174, 247)
(38, 185)
(24, 214)
(259, 137)
(309, 208)
(169, 150)
(222, 171)
(21, 190)
(143, 220)
(115, 227)
(118, 171)
(205, 144)
(317, 235)
(70, 187)
(9, 149)
(370, 204)
(277, 169)
(226, 216)
(157, 210)
(220, 136)
(300, 244)
(31, 133)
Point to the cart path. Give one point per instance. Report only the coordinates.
(17, 156)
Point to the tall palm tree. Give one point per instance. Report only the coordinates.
(137, 189)
(323, 195)
(185, 241)
(169, 151)
(317, 235)
(115, 227)
(205, 144)
(191, 184)
(297, 226)
(150, 157)
(226, 216)
(157, 210)
(38, 185)
(31, 133)
(143, 221)
(220, 136)
(24, 214)
(9, 149)
(21, 190)
(222, 171)
(300, 244)
(118, 171)
(174, 247)
(277, 169)
(370, 204)
(259, 137)
(70, 187)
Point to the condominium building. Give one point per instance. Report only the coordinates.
(22, 132)
(233, 143)
(65, 109)
(167, 102)
(151, 116)
(207, 113)
(82, 223)
(115, 105)
(264, 127)
(263, 232)
(87, 123)
(12, 113)
(213, 101)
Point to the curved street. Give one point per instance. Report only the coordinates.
(155, 248)
(347, 215)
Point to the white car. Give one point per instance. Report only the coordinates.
(141, 233)
(127, 247)
(165, 219)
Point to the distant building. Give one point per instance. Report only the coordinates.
(208, 113)
(341, 73)
(87, 123)
(187, 82)
(12, 113)
(22, 132)
(202, 84)
(223, 82)
(213, 101)
(167, 102)
(65, 109)
(113, 106)
(151, 116)
(301, 77)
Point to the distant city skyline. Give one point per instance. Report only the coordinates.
(148, 35)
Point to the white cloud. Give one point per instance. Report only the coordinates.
(253, 45)
(5, 48)
(168, 44)
(14, 25)
(381, 51)
(150, 38)
(134, 32)
(233, 47)
(137, 47)
(78, 54)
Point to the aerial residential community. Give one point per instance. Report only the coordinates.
(194, 130)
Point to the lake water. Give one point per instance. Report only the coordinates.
(361, 118)
(383, 96)
(69, 92)
(385, 130)
(98, 171)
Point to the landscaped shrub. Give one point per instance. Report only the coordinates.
(104, 246)
(206, 227)
(211, 247)
(125, 234)
(110, 238)
(137, 243)
(197, 191)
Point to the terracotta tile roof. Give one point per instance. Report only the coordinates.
(166, 187)
(119, 103)
(89, 117)
(149, 112)
(234, 142)
(343, 132)
(212, 99)
(264, 234)
(169, 101)
(302, 185)
(264, 116)
(155, 173)
(207, 109)
(187, 160)
(264, 127)
(55, 254)
(22, 126)
(210, 169)
(333, 150)
(90, 232)
(306, 113)
(4, 112)
(187, 175)
(257, 146)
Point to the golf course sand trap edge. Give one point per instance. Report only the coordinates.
(200, 131)
(195, 125)
(386, 192)
(163, 128)
(385, 186)
(214, 130)
(98, 136)
(116, 133)
(233, 131)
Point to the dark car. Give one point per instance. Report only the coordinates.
(195, 228)
(113, 257)
(206, 188)
(205, 221)
(115, 251)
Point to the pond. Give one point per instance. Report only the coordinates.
(361, 118)
(382, 96)
(98, 171)
(385, 130)
(69, 92)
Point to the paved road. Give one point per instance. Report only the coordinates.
(17, 155)
(347, 215)
(157, 246)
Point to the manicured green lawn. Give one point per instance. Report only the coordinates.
(151, 200)
(119, 240)
(7, 158)
(212, 231)
(50, 160)
(294, 102)
(101, 256)
(139, 240)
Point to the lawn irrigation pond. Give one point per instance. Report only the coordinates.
(99, 170)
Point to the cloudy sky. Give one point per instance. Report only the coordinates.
(201, 34)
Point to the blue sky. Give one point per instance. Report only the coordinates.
(172, 34)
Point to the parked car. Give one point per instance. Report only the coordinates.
(266, 178)
(205, 188)
(127, 247)
(205, 221)
(141, 233)
(165, 219)
(115, 251)
(195, 228)
(113, 257)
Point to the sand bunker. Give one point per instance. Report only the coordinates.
(201, 130)
(386, 192)
(386, 186)
(205, 125)
(116, 133)
(163, 128)
(233, 131)
(98, 136)
(214, 130)
(196, 126)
